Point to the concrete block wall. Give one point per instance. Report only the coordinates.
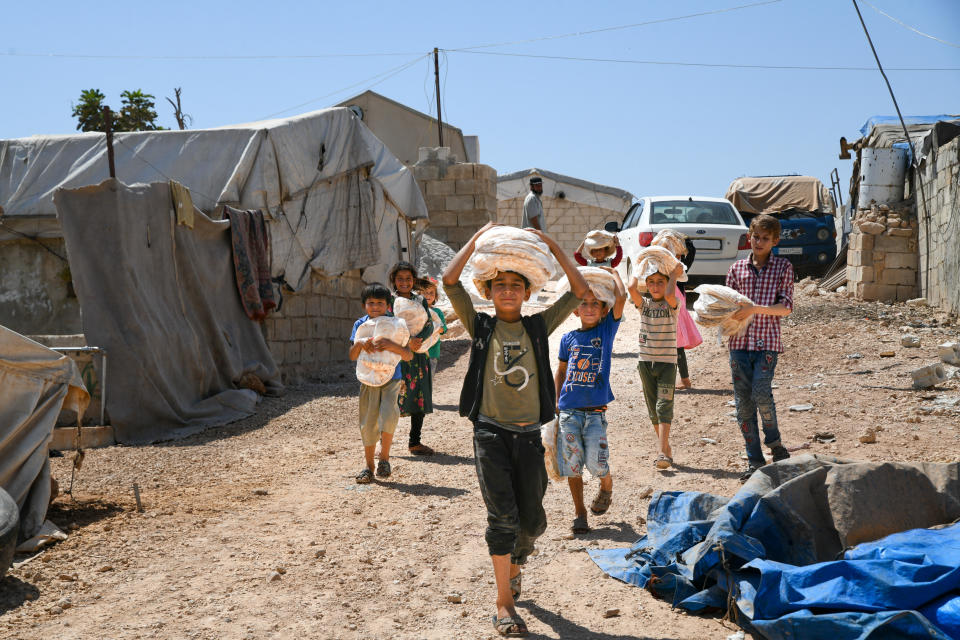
(941, 267)
(461, 197)
(882, 260)
(312, 328)
(36, 295)
(567, 221)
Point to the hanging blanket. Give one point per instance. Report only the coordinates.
(251, 260)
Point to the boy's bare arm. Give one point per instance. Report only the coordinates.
(670, 295)
(746, 311)
(451, 275)
(356, 348)
(558, 379)
(578, 286)
(385, 344)
(619, 294)
(633, 288)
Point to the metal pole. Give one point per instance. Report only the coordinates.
(103, 386)
(916, 160)
(108, 123)
(436, 77)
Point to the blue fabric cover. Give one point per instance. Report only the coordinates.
(766, 550)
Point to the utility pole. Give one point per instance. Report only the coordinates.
(108, 124)
(436, 76)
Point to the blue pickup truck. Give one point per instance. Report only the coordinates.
(806, 211)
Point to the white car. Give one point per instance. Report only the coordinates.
(712, 224)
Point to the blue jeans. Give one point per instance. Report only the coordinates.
(752, 391)
(583, 443)
(513, 481)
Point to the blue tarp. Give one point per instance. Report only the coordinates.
(909, 120)
(783, 550)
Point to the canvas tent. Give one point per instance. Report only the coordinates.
(35, 384)
(298, 170)
(773, 194)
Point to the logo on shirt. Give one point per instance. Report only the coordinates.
(586, 360)
(513, 375)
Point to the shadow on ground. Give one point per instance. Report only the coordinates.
(568, 630)
(14, 592)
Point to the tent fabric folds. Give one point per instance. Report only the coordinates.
(35, 384)
(813, 546)
(161, 298)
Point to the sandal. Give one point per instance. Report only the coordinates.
(580, 525)
(383, 469)
(601, 502)
(663, 462)
(515, 584)
(511, 626)
(365, 476)
(421, 450)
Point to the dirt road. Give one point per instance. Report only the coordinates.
(257, 529)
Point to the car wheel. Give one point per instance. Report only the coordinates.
(9, 528)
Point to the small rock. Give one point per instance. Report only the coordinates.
(568, 536)
(918, 302)
(55, 610)
(281, 570)
(274, 576)
(916, 437)
(641, 520)
(105, 568)
(708, 441)
(646, 492)
(73, 526)
(259, 492)
(319, 553)
(887, 354)
(854, 356)
(611, 613)
(68, 577)
(801, 407)
(65, 602)
(910, 340)
(739, 635)
(352, 627)
(868, 436)
(455, 598)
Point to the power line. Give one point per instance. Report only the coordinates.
(617, 28)
(86, 56)
(383, 76)
(700, 64)
(915, 30)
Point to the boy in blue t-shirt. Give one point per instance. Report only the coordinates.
(583, 392)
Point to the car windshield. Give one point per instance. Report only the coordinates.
(692, 212)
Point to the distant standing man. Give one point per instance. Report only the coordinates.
(533, 207)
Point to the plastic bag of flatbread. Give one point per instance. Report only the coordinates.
(674, 241)
(549, 438)
(504, 248)
(376, 368)
(435, 336)
(601, 283)
(715, 307)
(653, 259)
(599, 239)
(411, 311)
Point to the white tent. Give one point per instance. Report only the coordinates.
(295, 169)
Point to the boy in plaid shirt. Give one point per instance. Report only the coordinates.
(768, 281)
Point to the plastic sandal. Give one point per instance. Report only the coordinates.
(601, 502)
(383, 469)
(365, 477)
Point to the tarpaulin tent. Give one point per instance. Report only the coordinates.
(35, 384)
(811, 547)
(291, 168)
(773, 194)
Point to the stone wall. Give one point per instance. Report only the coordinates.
(461, 197)
(312, 328)
(567, 221)
(941, 186)
(882, 259)
(36, 295)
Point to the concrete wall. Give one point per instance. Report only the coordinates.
(35, 291)
(312, 329)
(941, 185)
(567, 221)
(461, 197)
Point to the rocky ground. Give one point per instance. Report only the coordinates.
(257, 529)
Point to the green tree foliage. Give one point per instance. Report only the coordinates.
(138, 112)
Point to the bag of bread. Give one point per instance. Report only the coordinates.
(376, 368)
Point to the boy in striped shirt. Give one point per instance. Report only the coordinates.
(658, 353)
(768, 281)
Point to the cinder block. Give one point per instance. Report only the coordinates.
(861, 242)
(424, 172)
(295, 306)
(466, 187)
(899, 277)
(906, 292)
(291, 353)
(857, 258)
(441, 188)
(313, 306)
(860, 274)
(883, 292)
(300, 329)
(308, 352)
(328, 306)
(460, 171)
(435, 203)
(324, 352)
(459, 203)
(278, 350)
(443, 219)
(485, 201)
(902, 261)
(282, 326)
(484, 172)
(342, 309)
(892, 243)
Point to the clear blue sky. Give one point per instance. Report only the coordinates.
(650, 129)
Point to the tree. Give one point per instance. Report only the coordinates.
(89, 113)
(182, 118)
(138, 112)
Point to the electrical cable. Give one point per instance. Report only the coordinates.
(619, 27)
(904, 24)
(316, 56)
(700, 64)
(383, 76)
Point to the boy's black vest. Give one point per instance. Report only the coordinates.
(472, 392)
